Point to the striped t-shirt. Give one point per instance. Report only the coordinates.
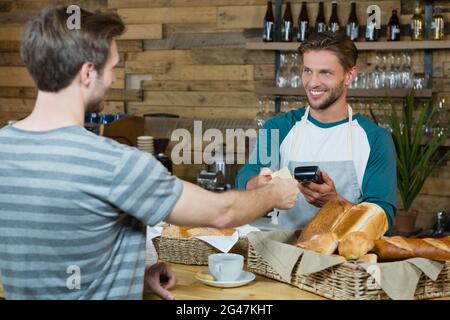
(73, 210)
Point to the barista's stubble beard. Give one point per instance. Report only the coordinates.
(335, 94)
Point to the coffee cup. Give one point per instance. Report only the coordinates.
(225, 266)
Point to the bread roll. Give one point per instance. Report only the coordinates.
(178, 232)
(325, 243)
(355, 245)
(325, 220)
(399, 248)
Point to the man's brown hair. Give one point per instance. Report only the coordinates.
(54, 54)
(337, 42)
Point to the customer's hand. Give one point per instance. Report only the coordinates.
(286, 192)
(263, 178)
(319, 194)
(159, 279)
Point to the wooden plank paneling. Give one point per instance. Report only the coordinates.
(120, 79)
(169, 15)
(231, 56)
(113, 107)
(146, 67)
(39, 4)
(11, 32)
(220, 99)
(229, 86)
(15, 77)
(436, 186)
(129, 45)
(142, 31)
(431, 203)
(16, 105)
(172, 56)
(179, 3)
(171, 30)
(190, 41)
(9, 46)
(123, 95)
(264, 72)
(11, 59)
(17, 92)
(186, 73)
(195, 112)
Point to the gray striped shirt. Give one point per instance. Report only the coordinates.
(73, 206)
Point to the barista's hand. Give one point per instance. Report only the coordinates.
(319, 194)
(263, 178)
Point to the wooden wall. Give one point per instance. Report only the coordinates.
(188, 57)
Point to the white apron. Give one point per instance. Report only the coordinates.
(343, 174)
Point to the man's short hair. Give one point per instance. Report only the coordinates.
(54, 54)
(337, 42)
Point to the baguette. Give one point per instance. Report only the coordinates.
(399, 248)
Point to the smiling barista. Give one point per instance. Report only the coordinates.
(356, 157)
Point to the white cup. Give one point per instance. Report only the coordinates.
(226, 266)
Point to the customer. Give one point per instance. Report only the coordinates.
(74, 205)
(357, 157)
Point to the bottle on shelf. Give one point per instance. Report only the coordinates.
(321, 25)
(393, 27)
(303, 24)
(333, 23)
(269, 24)
(417, 24)
(352, 28)
(372, 33)
(287, 24)
(437, 25)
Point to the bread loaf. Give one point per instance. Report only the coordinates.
(325, 220)
(341, 219)
(365, 217)
(399, 248)
(173, 231)
(355, 245)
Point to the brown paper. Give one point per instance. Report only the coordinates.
(398, 279)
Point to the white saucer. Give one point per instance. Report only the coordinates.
(243, 279)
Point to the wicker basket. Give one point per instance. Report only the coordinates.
(349, 281)
(192, 250)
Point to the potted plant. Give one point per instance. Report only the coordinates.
(417, 155)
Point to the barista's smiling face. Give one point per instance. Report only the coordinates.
(324, 78)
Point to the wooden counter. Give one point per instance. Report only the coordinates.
(262, 288)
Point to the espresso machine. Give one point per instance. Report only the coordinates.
(220, 174)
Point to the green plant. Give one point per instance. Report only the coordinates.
(416, 158)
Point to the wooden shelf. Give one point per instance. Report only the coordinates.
(364, 46)
(376, 93)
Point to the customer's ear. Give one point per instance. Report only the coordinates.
(87, 74)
